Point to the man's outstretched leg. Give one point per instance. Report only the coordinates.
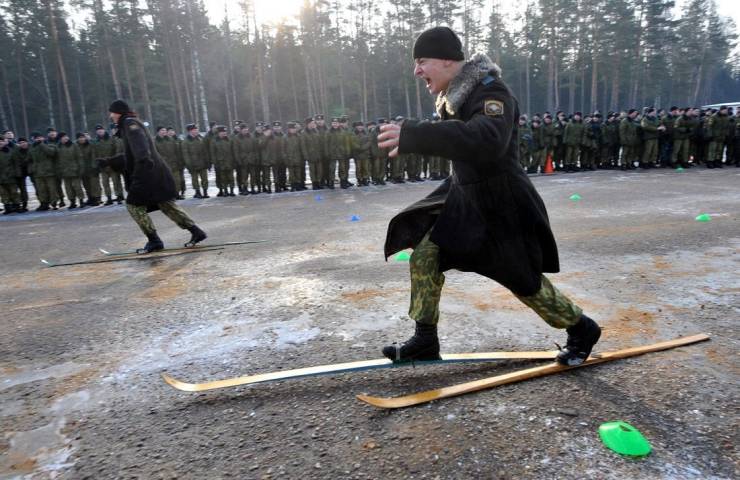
(559, 312)
(183, 220)
(144, 221)
(426, 288)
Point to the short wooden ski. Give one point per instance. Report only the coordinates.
(149, 256)
(519, 375)
(337, 368)
(178, 249)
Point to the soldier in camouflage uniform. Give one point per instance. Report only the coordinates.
(195, 159)
(21, 158)
(665, 138)
(222, 156)
(539, 146)
(242, 147)
(716, 129)
(43, 168)
(629, 140)
(279, 165)
(572, 137)
(525, 143)
(651, 129)
(294, 158)
(682, 128)
(168, 149)
(736, 139)
(104, 146)
(271, 148)
(378, 156)
(361, 153)
(70, 168)
(90, 172)
(336, 150)
(9, 194)
(312, 151)
(561, 122)
(588, 144)
(398, 165)
(178, 166)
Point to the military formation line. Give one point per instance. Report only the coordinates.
(270, 159)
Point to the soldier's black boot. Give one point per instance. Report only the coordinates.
(61, 203)
(72, 205)
(196, 235)
(43, 207)
(197, 194)
(153, 244)
(119, 199)
(581, 339)
(109, 201)
(423, 345)
(231, 192)
(8, 209)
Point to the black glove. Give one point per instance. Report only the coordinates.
(102, 162)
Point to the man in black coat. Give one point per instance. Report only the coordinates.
(149, 182)
(487, 217)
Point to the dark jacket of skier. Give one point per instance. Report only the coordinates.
(148, 179)
(487, 217)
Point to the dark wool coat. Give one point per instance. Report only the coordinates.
(148, 179)
(487, 217)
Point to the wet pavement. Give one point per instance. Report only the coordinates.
(83, 346)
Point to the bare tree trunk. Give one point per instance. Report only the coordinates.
(594, 84)
(556, 80)
(697, 86)
(186, 92)
(526, 83)
(419, 110)
(615, 85)
(261, 75)
(293, 86)
(388, 99)
(550, 78)
(312, 109)
(374, 90)
(143, 82)
(127, 77)
(8, 98)
(364, 91)
(83, 109)
(99, 12)
(322, 83)
(3, 117)
(407, 97)
(572, 91)
(197, 74)
(22, 90)
(273, 81)
(341, 83)
(47, 88)
(60, 64)
(637, 63)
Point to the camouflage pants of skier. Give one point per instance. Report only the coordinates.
(169, 209)
(427, 282)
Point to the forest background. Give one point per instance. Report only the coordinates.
(183, 61)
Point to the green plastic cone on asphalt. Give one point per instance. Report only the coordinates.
(679, 169)
(624, 439)
(703, 218)
(575, 197)
(403, 257)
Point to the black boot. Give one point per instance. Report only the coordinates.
(581, 338)
(8, 209)
(197, 194)
(43, 207)
(109, 201)
(153, 244)
(72, 205)
(423, 345)
(119, 199)
(197, 235)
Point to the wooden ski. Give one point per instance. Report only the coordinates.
(178, 249)
(148, 256)
(353, 367)
(517, 376)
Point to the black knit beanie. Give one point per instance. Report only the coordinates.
(438, 42)
(119, 106)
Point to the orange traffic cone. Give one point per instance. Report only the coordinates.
(548, 165)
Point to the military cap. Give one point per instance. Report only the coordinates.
(381, 121)
(22, 139)
(398, 118)
(335, 119)
(308, 120)
(547, 115)
(80, 135)
(578, 113)
(674, 108)
(318, 117)
(35, 134)
(357, 124)
(244, 125)
(221, 128)
(211, 124)
(63, 134)
(238, 122)
(99, 127)
(51, 129)
(371, 123)
(438, 42)
(259, 124)
(6, 131)
(291, 125)
(159, 128)
(344, 118)
(276, 123)
(723, 107)
(170, 128)
(191, 126)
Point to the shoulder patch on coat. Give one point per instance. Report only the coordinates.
(493, 108)
(133, 126)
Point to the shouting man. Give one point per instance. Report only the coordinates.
(487, 217)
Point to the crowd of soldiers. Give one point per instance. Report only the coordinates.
(269, 159)
(678, 137)
(245, 162)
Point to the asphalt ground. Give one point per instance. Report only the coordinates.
(82, 347)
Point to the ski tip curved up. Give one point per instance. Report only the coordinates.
(175, 383)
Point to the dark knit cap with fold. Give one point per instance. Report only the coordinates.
(119, 106)
(438, 42)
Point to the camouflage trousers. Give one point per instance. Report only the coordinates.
(169, 209)
(73, 186)
(427, 282)
(199, 179)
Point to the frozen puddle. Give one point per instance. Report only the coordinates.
(55, 371)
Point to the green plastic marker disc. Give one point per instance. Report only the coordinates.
(624, 439)
(575, 197)
(703, 218)
(403, 257)
(679, 169)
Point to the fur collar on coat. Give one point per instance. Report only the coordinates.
(476, 69)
